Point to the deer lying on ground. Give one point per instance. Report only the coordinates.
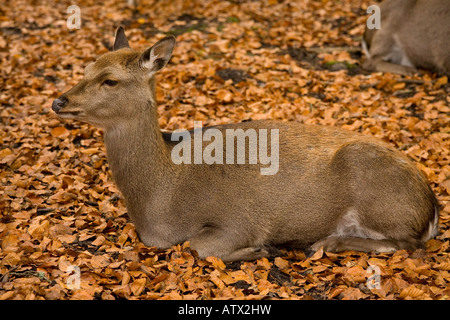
(413, 34)
(333, 188)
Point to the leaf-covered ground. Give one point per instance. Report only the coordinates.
(234, 61)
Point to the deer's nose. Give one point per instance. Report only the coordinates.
(58, 104)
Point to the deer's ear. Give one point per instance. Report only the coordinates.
(120, 40)
(156, 57)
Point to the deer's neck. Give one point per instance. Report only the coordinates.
(139, 158)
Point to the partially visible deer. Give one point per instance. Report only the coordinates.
(334, 188)
(413, 34)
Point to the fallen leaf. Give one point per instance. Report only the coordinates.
(317, 255)
(411, 292)
(100, 261)
(216, 262)
(138, 286)
(60, 132)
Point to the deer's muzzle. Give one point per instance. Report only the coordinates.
(59, 103)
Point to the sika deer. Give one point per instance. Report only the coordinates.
(333, 188)
(413, 34)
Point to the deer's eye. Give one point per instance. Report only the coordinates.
(110, 83)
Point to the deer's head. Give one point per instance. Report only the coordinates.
(118, 86)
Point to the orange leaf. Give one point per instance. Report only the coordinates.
(138, 286)
(216, 262)
(224, 95)
(215, 278)
(441, 81)
(281, 263)
(411, 292)
(352, 294)
(317, 255)
(433, 245)
(60, 132)
(100, 261)
(318, 269)
(445, 266)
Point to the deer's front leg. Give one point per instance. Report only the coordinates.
(213, 241)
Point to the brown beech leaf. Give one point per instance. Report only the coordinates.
(216, 262)
(411, 292)
(138, 286)
(60, 132)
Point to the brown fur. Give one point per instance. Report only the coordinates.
(328, 178)
(411, 30)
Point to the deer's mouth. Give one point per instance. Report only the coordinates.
(75, 112)
(70, 113)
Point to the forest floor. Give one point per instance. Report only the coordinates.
(62, 217)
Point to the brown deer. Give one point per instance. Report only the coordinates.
(413, 34)
(332, 187)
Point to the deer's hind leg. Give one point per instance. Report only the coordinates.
(337, 244)
(392, 208)
(350, 234)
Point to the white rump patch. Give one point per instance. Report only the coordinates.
(365, 49)
(350, 226)
(433, 226)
